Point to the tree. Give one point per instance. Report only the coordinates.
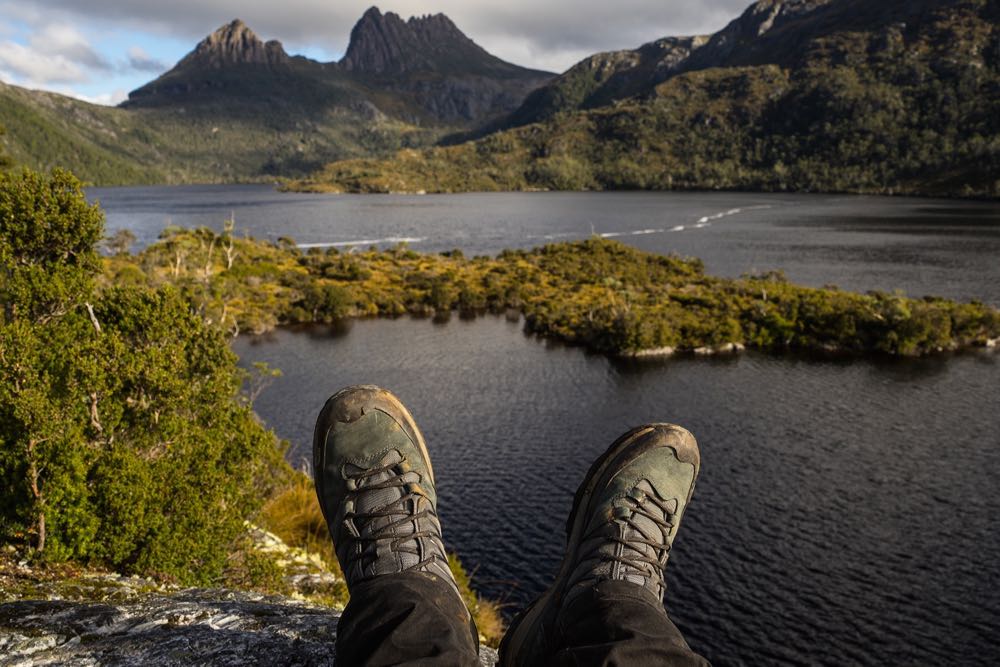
(123, 435)
(120, 243)
(48, 234)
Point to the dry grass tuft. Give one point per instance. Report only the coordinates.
(293, 514)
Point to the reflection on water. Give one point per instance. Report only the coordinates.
(846, 511)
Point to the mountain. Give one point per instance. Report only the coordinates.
(235, 44)
(237, 108)
(604, 78)
(899, 96)
(787, 33)
(423, 71)
(386, 45)
(430, 61)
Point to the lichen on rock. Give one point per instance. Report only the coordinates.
(191, 627)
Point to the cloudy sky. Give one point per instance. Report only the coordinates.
(98, 50)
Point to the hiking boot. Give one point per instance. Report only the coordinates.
(376, 487)
(625, 517)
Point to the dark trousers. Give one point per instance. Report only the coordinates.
(415, 619)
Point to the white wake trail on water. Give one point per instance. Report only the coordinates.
(704, 221)
(344, 244)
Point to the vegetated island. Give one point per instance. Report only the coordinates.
(602, 294)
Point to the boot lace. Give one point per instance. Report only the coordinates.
(397, 512)
(645, 548)
(660, 514)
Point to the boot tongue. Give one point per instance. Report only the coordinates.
(386, 559)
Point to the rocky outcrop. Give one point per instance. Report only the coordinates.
(58, 615)
(235, 44)
(606, 77)
(386, 44)
(742, 33)
(231, 62)
(429, 61)
(194, 627)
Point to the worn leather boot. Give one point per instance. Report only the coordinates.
(376, 488)
(625, 516)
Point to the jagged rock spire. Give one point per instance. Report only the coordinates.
(235, 44)
(386, 44)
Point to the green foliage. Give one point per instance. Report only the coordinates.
(231, 133)
(47, 236)
(599, 293)
(123, 439)
(5, 161)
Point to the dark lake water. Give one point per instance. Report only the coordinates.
(847, 509)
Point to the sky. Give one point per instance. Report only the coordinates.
(99, 50)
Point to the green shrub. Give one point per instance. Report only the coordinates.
(122, 436)
(48, 234)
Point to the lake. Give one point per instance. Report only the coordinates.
(923, 246)
(847, 509)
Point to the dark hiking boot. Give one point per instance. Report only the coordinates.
(376, 487)
(625, 516)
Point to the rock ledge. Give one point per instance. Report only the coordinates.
(191, 627)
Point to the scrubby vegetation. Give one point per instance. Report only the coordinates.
(5, 161)
(902, 109)
(223, 140)
(294, 515)
(123, 438)
(127, 436)
(599, 293)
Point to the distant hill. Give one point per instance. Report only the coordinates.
(898, 96)
(240, 109)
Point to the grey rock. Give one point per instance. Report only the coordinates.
(235, 44)
(192, 627)
(430, 61)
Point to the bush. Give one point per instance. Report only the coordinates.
(48, 234)
(122, 437)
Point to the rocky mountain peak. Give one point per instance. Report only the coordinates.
(386, 44)
(764, 15)
(235, 44)
(741, 39)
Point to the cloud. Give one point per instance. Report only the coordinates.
(66, 41)
(53, 54)
(556, 33)
(36, 68)
(111, 99)
(141, 61)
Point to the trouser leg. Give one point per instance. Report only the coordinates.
(619, 623)
(411, 618)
